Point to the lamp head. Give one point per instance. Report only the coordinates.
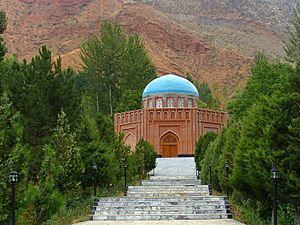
(94, 166)
(226, 164)
(274, 173)
(13, 177)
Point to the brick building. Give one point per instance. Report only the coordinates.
(170, 119)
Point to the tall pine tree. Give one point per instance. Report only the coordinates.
(116, 66)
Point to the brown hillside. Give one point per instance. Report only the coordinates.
(213, 39)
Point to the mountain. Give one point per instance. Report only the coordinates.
(215, 40)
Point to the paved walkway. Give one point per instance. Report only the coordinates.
(175, 167)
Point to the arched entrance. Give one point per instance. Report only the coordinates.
(130, 141)
(169, 145)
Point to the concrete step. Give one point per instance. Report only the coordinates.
(159, 208)
(132, 191)
(183, 216)
(203, 204)
(173, 177)
(169, 183)
(174, 187)
(157, 212)
(174, 194)
(193, 199)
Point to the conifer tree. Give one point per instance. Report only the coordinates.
(3, 24)
(62, 162)
(114, 64)
(101, 57)
(13, 154)
(292, 44)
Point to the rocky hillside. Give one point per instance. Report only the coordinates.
(215, 40)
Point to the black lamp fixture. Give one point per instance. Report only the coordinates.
(210, 180)
(139, 172)
(13, 179)
(94, 167)
(227, 178)
(125, 177)
(275, 178)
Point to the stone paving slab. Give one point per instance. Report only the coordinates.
(184, 166)
(165, 222)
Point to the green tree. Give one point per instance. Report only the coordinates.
(265, 79)
(102, 57)
(232, 137)
(39, 90)
(137, 68)
(201, 146)
(100, 145)
(206, 98)
(13, 154)
(212, 156)
(3, 24)
(292, 45)
(62, 162)
(113, 64)
(145, 155)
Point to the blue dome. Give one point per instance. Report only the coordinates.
(170, 84)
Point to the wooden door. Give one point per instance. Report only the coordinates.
(169, 146)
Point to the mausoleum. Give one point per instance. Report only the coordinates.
(170, 119)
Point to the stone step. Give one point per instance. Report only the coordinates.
(174, 187)
(159, 207)
(166, 191)
(157, 212)
(208, 205)
(182, 216)
(166, 178)
(163, 199)
(167, 194)
(171, 192)
(177, 183)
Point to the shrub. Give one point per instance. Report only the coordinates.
(145, 155)
(39, 203)
(201, 147)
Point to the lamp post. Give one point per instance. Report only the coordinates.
(275, 178)
(227, 176)
(83, 184)
(197, 174)
(139, 172)
(94, 167)
(210, 180)
(13, 178)
(125, 177)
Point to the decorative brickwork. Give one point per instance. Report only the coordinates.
(152, 124)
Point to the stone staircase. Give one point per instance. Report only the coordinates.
(164, 198)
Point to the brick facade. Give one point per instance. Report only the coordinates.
(172, 131)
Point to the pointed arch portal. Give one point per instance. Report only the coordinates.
(169, 145)
(130, 141)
